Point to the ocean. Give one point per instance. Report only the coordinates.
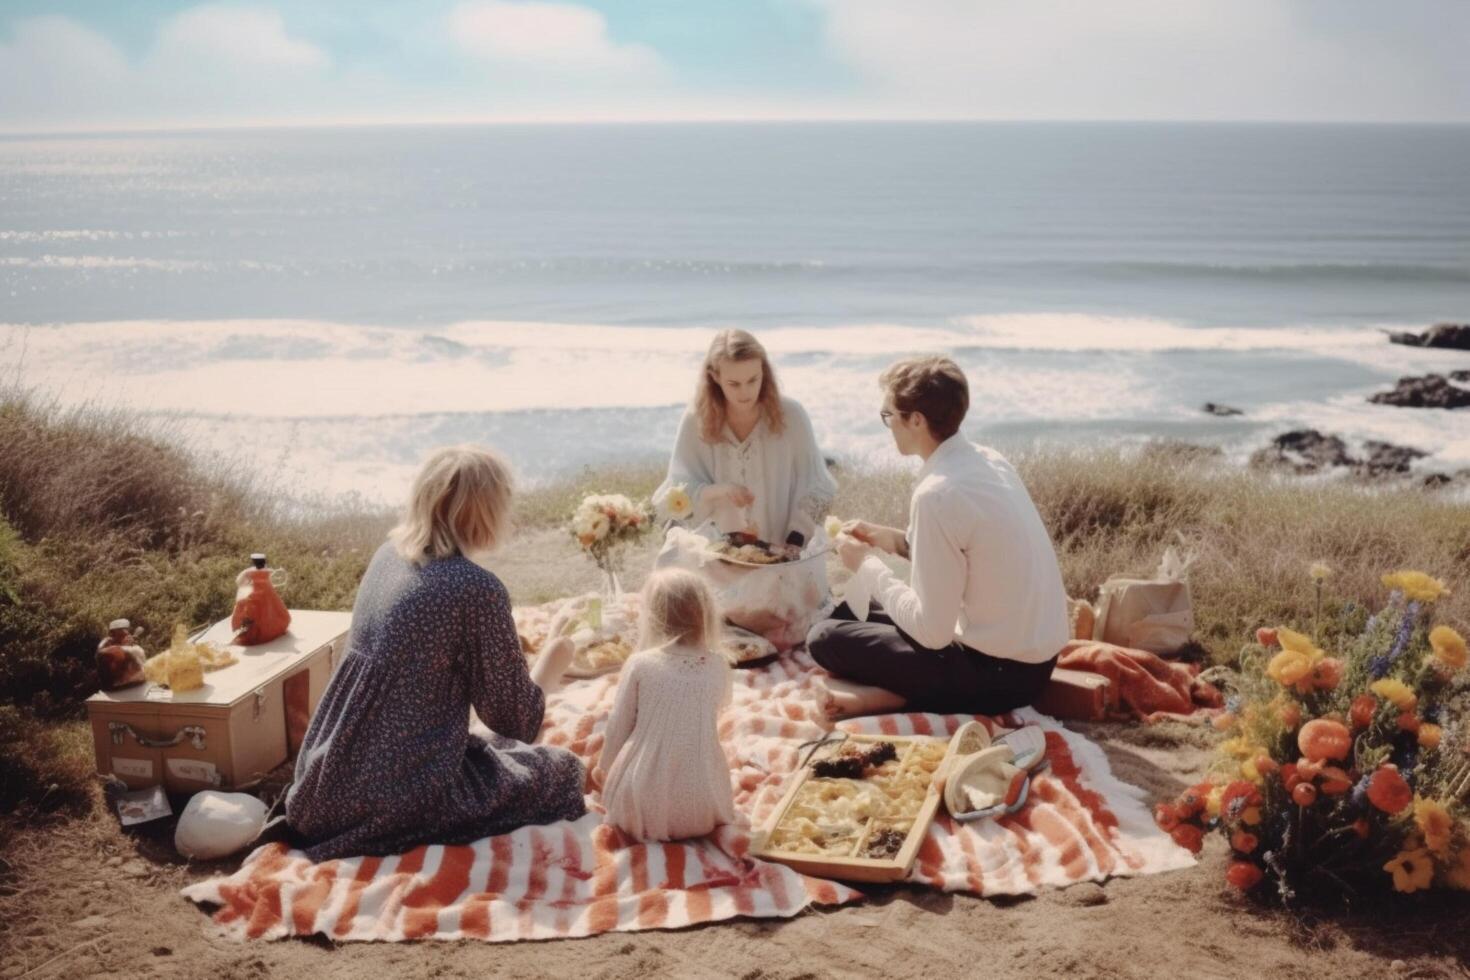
(327, 305)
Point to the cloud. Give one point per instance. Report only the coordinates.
(555, 38)
(243, 39)
(1205, 59)
(205, 61)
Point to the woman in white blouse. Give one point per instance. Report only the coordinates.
(745, 454)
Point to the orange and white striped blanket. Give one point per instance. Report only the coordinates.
(581, 878)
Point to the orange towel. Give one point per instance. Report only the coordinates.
(1144, 685)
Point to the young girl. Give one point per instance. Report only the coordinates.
(667, 777)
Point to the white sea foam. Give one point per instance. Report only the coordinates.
(357, 406)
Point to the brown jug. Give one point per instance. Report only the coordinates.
(119, 658)
(260, 615)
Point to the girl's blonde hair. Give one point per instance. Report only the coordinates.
(678, 607)
(460, 505)
(709, 399)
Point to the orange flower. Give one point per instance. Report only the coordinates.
(1335, 781)
(1305, 794)
(1409, 722)
(1364, 707)
(1166, 815)
(1244, 841)
(1266, 636)
(1449, 647)
(1188, 836)
(1290, 715)
(1321, 739)
(1388, 791)
(1327, 674)
(1429, 735)
(1244, 875)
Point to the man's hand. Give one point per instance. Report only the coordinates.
(852, 551)
(889, 539)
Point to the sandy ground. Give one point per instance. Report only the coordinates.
(86, 899)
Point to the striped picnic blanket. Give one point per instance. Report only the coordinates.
(581, 878)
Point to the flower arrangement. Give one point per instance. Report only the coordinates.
(1343, 775)
(602, 524)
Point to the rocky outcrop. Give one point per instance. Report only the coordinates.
(1383, 458)
(1455, 336)
(1211, 408)
(1304, 451)
(1429, 391)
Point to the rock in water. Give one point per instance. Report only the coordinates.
(1303, 451)
(1455, 336)
(1223, 411)
(1429, 391)
(1384, 458)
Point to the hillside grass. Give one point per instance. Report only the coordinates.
(103, 515)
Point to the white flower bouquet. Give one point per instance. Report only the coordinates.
(602, 524)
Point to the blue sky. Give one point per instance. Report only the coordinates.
(80, 64)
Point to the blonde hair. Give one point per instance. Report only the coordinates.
(678, 607)
(709, 398)
(459, 505)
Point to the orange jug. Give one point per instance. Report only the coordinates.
(260, 615)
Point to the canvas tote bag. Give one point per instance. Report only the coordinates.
(1154, 614)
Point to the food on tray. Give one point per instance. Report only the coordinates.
(750, 550)
(851, 762)
(601, 630)
(860, 800)
(884, 842)
(181, 667)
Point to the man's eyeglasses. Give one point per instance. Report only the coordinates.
(886, 417)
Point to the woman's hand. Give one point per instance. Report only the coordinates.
(890, 539)
(552, 663)
(734, 494)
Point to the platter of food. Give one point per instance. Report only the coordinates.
(747, 549)
(858, 808)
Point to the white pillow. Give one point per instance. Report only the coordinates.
(215, 824)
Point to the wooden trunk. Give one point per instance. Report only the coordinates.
(246, 720)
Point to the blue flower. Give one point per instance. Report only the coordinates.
(1369, 626)
(1360, 792)
(1401, 638)
(1378, 667)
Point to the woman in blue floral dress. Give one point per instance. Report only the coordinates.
(389, 761)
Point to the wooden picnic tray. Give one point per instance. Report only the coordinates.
(846, 861)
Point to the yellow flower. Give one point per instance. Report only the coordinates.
(1396, 691)
(1212, 802)
(678, 504)
(1434, 821)
(1429, 735)
(1449, 647)
(1320, 571)
(1297, 642)
(1457, 875)
(1411, 870)
(1416, 585)
(1288, 667)
(1241, 748)
(833, 526)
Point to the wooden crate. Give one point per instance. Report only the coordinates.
(851, 867)
(247, 719)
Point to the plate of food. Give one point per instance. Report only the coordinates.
(858, 808)
(601, 631)
(739, 548)
(744, 649)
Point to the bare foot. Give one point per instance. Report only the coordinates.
(849, 699)
(552, 663)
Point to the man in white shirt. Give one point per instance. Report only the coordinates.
(978, 627)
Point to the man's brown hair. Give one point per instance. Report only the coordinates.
(934, 386)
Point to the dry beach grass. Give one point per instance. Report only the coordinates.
(103, 515)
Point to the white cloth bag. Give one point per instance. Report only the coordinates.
(1155, 614)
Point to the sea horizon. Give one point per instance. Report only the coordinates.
(357, 298)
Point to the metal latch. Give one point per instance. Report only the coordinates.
(259, 703)
(194, 733)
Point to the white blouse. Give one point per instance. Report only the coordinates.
(785, 472)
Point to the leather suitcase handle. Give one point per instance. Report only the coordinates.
(195, 734)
